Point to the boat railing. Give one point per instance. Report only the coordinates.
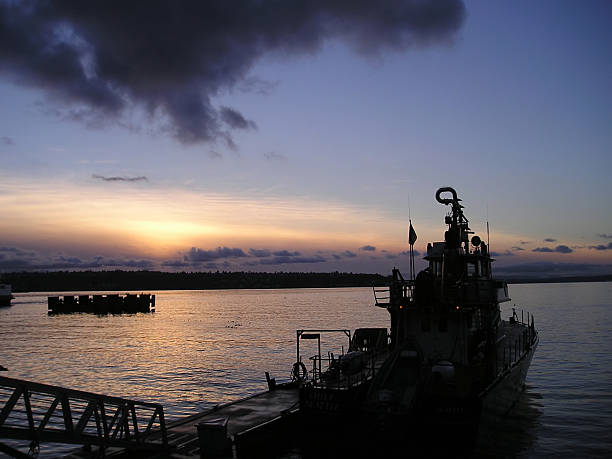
(401, 292)
(519, 338)
(340, 377)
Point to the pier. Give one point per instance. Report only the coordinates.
(43, 413)
(250, 427)
(101, 304)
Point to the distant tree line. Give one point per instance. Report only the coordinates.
(65, 281)
(57, 281)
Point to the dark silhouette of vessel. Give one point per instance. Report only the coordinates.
(447, 358)
(5, 295)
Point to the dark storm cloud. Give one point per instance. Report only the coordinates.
(558, 249)
(605, 236)
(601, 246)
(368, 248)
(507, 253)
(196, 255)
(141, 178)
(6, 140)
(99, 59)
(235, 120)
(550, 239)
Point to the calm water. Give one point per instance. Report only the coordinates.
(205, 347)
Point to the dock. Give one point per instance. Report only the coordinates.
(101, 304)
(254, 426)
(249, 427)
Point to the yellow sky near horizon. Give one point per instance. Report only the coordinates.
(146, 221)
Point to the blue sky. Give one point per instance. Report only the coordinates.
(512, 108)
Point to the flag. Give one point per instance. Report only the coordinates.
(412, 236)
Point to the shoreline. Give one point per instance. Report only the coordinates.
(55, 281)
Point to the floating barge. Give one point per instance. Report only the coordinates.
(102, 304)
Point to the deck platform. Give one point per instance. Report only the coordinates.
(244, 428)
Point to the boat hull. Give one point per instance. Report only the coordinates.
(502, 394)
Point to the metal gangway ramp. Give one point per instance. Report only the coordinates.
(43, 413)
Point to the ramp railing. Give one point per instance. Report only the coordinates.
(44, 413)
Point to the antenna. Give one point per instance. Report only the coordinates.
(488, 238)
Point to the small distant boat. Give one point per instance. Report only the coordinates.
(5, 295)
(448, 357)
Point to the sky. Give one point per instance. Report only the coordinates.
(302, 136)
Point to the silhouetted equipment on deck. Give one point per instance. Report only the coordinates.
(102, 304)
(44, 413)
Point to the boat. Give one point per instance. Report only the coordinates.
(447, 359)
(5, 295)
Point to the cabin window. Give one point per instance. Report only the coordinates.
(443, 324)
(425, 324)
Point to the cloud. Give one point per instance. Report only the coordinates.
(260, 253)
(550, 239)
(175, 264)
(407, 253)
(196, 255)
(517, 249)
(16, 251)
(141, 178)
(507, 253)
(601, 246)
(558, 249)
(271, 156)
(235, 120)
(525, 242)
(99, 60)
(291, 260)
(344, 254)
(6, 140)
(605, 236)
(286, 253)
(554, 269)
(15, 259)
(368, 248)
